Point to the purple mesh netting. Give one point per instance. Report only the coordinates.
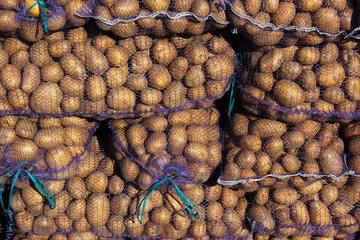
(182, 164)
(36, 166)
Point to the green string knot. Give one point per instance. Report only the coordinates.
(38, 183)
(189, 206)
(42, 6)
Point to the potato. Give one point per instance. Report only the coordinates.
(299, 213)
(267, 128)
(44, 226)
(62, 202)
(70, 9)
(140, 62)
(25, 128)
(20, 59)
(97, 209)
(121, 98)
(319, 213)
(96, 61)
(264, 81)
(52, 72)
(288, 93)
(8, 21)
(327, 20)
(8, 136)
(31, 31)
(289, 70)
(159, 77)
(174, 94)
(351, 85)
(284, 14)
(330, 75)
(219, 68)
(68, 63)
(96, 182)
(22, 150)
(196, 53)
(261, 214)
(58, 157)
(330, 162)
(24, 221)
(95, 88)
(309, 5)
(10, 77)
(163, 51)
(59, 48)
(127, 165)
(271, 61)
(119, 204)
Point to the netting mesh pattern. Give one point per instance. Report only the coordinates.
(271, 22)
(71, 73)
(304, 237)
(261, 152)
(49, 148)
(31, 19)
(184, 143)
(295, 83)
(327, 208)
(100, 202)
(127, 18)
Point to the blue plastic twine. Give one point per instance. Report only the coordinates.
(38, 183)
(183, 198)
(232, 99)
(42, 6)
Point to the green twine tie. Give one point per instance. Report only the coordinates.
(232, 99)
(42, 6)
(38, 183)
(183, 198)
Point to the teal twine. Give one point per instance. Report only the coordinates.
(42, 6)
(232, 99)
(183, 198)
(38, 183)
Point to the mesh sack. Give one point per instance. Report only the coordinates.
(272, 22)
(261, 152)
(104, 204)
(70, 73)
(127, 18)
(326, 208)
(306, 237)
(47, 148)
(32, 19)
(186, 143)
(295, 83)
(28, 200)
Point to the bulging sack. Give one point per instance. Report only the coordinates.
(32, 19)
(261, 152)
(102, 204)
(70, 73)
(38, 201)
(326, 208)
(47, 148)
(303, 22)
(296, 83)
(184, 143)
(127, 18)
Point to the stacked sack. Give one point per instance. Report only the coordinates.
(284, 144)
(60, 79)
